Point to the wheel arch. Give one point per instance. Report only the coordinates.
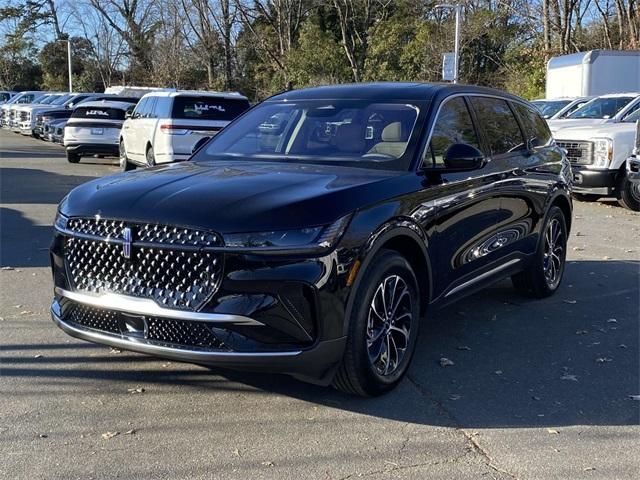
(408, 240)
(563, 202)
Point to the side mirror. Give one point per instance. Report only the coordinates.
(128, 115)
(461, 157)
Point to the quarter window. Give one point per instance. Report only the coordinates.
(453, 125)
(535, 128)
(500, 126)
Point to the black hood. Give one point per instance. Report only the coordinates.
(238, 196)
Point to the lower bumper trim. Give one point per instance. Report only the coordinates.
(316, 364)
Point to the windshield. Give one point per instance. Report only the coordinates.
(602, 108)
(61, 99)
(48, 100)
(347, 132)
(548, 108)
(633, 116)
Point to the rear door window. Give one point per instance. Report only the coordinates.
(207, 108)
(536, 129)
(500, 127)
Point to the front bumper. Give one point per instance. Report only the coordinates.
(585, 179)
(93, 149)
(275, 314)
(314, 364)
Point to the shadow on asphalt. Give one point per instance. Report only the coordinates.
(24, 244)
(17, 185)
(567, 360)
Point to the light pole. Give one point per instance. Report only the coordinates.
(69, 63)
(456, 62)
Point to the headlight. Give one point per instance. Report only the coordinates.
(602, 152)
(61, 222)
(323, 237)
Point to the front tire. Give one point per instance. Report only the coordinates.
(383, 327)
(628, 193)
(543, 277)
(73, 157)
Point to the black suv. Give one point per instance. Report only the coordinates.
(311, 235)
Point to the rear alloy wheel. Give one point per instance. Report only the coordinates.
(628, 193)
(542, 278)
(151, 159)
(383, 328)
(125, 164)
(72, 157)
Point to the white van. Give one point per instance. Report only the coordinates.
(94, 129)
(167, 126)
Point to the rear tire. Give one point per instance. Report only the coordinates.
(73, 157)
(151, 159)
(383, 327)
(543, 277)
(628, 193)
(125, 164)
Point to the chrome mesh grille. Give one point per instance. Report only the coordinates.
(579, 153)
(161, 330)
(95, 318)
(169, 268)
(192, 334)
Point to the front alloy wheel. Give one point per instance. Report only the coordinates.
(383, 327)
(554, 243)
(389, 325)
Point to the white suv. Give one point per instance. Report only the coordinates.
(168, 126)
(94, 129)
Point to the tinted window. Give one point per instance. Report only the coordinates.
(151, 107)
(104, 113)
(453, 125)
(535, 128)
(4, 96)
(141, 109)
(499, 125)
(603, 107)
(346, 132)
(207, 108)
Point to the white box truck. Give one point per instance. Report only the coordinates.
(596, 72)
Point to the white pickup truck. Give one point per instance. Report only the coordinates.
(598, 154)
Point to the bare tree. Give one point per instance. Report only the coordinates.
(107, 46)
(213, 23)
(355, 18)
(136, 21)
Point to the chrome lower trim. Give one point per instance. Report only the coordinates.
(183, 354)
(482, 276)
(145, 306)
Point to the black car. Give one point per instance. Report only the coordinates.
(62, 113)
(311, 235)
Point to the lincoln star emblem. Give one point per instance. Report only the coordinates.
(126, 245)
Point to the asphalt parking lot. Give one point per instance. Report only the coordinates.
(538, 390)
